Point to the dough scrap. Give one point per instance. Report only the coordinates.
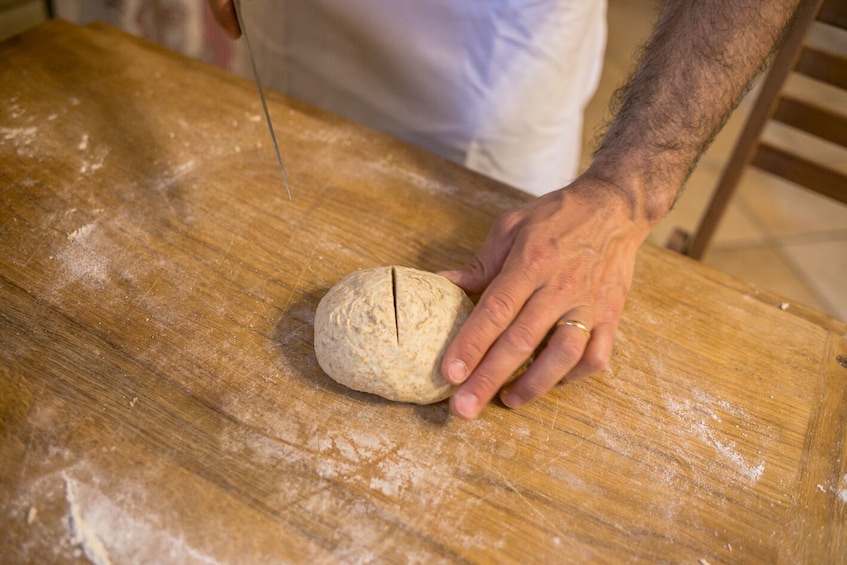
(384, 331)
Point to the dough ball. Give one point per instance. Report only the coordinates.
(384, 331)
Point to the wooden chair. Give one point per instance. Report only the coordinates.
(795, 56)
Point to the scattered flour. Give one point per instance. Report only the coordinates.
(81, 260)
(21, 138)
(21, 135)
(754, 473)
(94, 159)
(112, 531)
(82, 534)
(842, 491)
(14, 109)
(696, 417)
(81, 233)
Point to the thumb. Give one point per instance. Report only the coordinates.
(468, 278)
(475, 276)
(478, 273)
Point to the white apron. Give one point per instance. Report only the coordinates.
(496, 85)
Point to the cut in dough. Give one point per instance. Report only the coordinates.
(384, 331)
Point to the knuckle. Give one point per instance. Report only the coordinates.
(520, 339)
(499, 308)
(537, 259)
(567, 282)
(507, 222)
(476, 267)
(486, 382)
(595, 363)
(472, 348)
(533, 389)
(569, 352)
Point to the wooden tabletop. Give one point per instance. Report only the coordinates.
(160, 400)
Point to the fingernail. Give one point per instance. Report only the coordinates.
(512, 399)
(457, 372)
(465, 405)
(452, 276)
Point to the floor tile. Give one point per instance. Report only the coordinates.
(735, 227)
(766, 268)
(825, 265)
(785, 209)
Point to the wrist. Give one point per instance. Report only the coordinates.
(650, 187)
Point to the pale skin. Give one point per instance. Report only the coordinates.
(570, 254)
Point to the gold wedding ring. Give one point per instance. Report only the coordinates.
(575, 324)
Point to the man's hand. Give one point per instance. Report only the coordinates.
(568, 255)
(224, 12)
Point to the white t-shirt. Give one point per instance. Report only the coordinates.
(496, 85)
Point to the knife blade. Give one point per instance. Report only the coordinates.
(236, 4)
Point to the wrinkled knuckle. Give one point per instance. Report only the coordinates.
(566, 282)
(471, 349)
(506, 222)
(595, 363)
(499, 308)
(487, 383)
(476, 267)
(521, 340)
(534, 389)
(537, 259)
(570, 351)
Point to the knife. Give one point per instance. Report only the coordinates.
(236, 4)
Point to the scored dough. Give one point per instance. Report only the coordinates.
(384, 331)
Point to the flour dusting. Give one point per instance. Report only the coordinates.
(395, 476)
(94, 157)
(21, 135)
(696, 417)
(81, 233)
(81, 260)
(418, 180)
(118, 530)
(82, 534)
(20, 138)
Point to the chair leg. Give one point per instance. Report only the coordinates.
(761, 112)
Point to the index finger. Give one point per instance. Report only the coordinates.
(498, 307)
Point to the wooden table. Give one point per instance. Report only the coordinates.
(160, 400)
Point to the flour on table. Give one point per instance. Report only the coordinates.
(81, 260)
(81, 233)
(21, 138)
(82, 534)
(695, 417)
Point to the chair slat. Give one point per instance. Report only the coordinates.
(834, 13)
(806, 173)
(824, 66)
(816, 120)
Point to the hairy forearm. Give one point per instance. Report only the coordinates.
(696, 68)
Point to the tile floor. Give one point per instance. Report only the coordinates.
(774, 235)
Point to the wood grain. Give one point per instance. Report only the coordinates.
(160, 400)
